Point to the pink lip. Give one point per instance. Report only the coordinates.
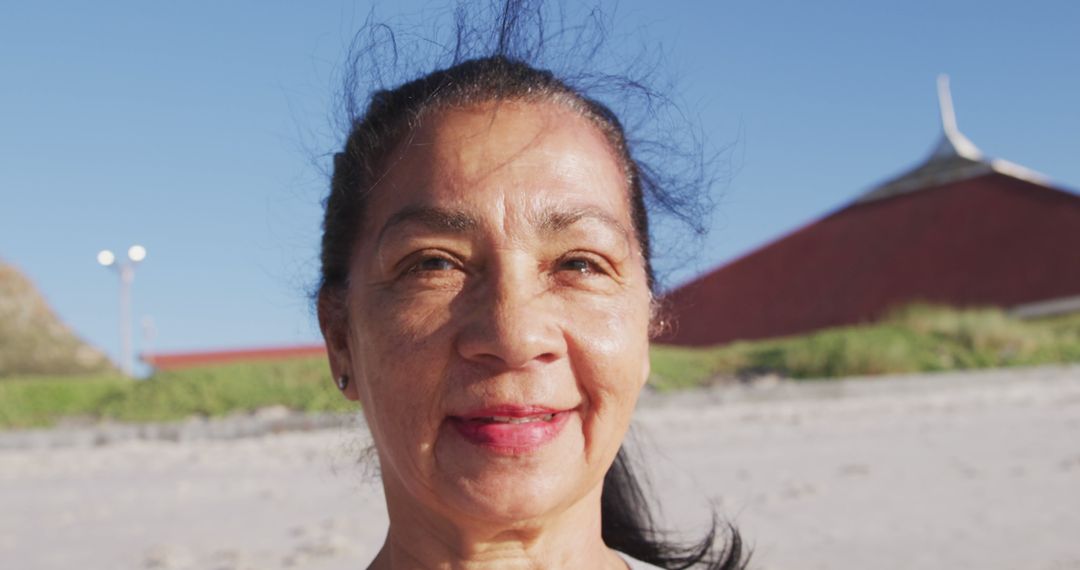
(510, 438)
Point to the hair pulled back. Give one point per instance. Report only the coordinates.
(503, 71)
(393, 113)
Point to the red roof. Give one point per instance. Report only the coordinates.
(990, 240)
(176, 360)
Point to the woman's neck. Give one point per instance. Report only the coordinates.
(422, 540)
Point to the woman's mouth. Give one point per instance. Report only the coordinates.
(513, 420)
(511, 430)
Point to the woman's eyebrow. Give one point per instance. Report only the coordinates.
(549, 221)
(555, 220)
(431, 218)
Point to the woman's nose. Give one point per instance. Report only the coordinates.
(512, 325)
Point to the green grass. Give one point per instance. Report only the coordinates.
(915, 339)
(41, 401)
(298, 384)
(919, 338)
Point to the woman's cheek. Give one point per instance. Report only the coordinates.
(610, 337)
(402, 355)
(610, 323)
(610, 353)
(407, 320)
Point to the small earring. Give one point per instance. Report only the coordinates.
(342, 381)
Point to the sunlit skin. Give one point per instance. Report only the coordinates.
(496, 265)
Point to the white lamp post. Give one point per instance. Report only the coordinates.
(126, 269)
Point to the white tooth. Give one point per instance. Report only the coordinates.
(513, 420)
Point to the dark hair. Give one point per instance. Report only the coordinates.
(627, 524)
(394, 112)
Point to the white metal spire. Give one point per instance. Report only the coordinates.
(948, 115)
(953, 158)
(953, 142)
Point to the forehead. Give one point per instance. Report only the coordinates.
(505, 156)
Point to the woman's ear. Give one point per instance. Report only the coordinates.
(334, 324)
(659, 319)
(659, 325)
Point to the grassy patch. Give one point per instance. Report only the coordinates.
(918, 338)
(41, 401)
(298, 384)
(915, 339)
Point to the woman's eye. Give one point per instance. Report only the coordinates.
(580, 265)
(432, 264)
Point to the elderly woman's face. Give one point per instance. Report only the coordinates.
(498, 313)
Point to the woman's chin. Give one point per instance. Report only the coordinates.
(510, 481)
(516, 508)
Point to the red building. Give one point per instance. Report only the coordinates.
(179, 360)
(959, 229)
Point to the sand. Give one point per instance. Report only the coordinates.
(969, 470)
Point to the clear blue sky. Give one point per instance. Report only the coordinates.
(194, 128)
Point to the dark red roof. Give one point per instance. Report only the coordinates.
(991, 240)
(176, 360)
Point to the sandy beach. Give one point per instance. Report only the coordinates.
(967, 470)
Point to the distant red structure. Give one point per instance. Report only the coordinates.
(178, 360)
(959, 230)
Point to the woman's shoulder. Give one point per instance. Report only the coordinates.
(636, 564)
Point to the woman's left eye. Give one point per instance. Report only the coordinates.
(429, 266)
(581, 265)
(434, 264)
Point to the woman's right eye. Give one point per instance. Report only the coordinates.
(432, 264)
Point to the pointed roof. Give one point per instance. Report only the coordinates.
(958, 229)
(955, 158)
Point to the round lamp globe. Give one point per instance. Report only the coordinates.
(106, 258)
(137, 253)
